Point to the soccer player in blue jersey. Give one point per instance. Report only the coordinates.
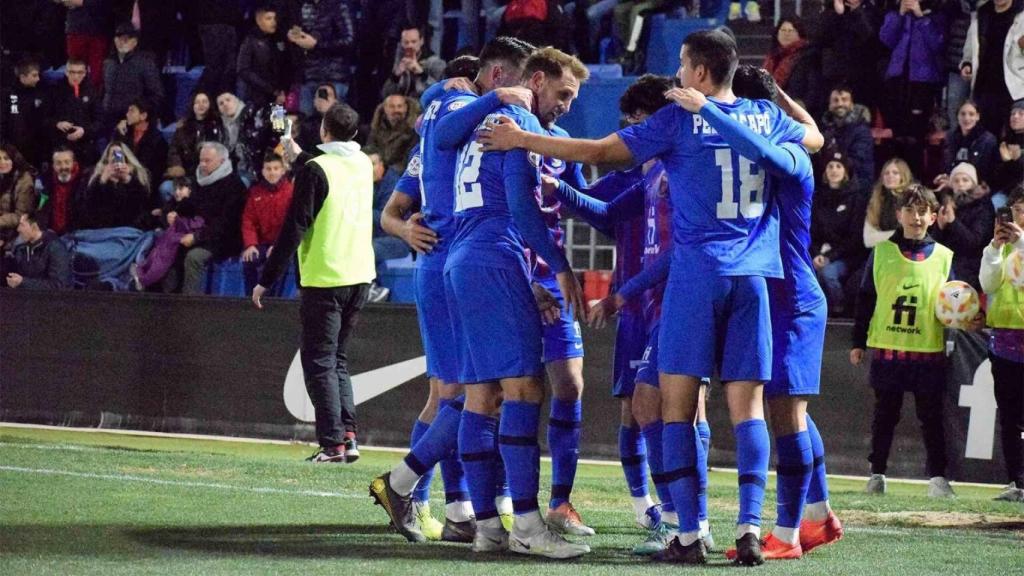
(798, 311)
(427, 187)
(496, 320)
(715, 313)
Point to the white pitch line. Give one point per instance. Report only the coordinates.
(180, 483)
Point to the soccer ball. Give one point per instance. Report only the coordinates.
(957, 304)
(1015, 269)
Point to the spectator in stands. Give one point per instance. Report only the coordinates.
(24, 113)
(322, 37)
(850, 49)
(129, 75)
(219, 199)
(201, 125)
(87, 28)
(1005, 314)
(17, 191)
(994, 59)
(178, 218)
(239, 133)
(964, 221)
(139, 132)
(958, 89)
(796, 65)
(750, 11)
(157, 22)
(118, 191)
(970, 142)
(217, 21)
(261, 61)
(880, 220)
(385, 246)
(1009, 171)
(847, 130)
(265, 210)
(541, 22)
(414, 69)
(915, 75)
(469, 27)
(41, 260)
(393, 130)
(64, 187)
(309, 126)
(73, 112)
(836, 224)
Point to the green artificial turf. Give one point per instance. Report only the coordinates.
(95, 503)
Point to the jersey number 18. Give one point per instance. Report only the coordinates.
(750, 188)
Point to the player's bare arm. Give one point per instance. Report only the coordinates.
(394, 221)
(505, 135)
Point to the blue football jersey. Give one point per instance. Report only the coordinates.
(722, 211)
(409, 182)
(486, 234)
(436, 176)
(799, 290)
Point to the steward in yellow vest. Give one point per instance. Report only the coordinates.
(330, 222)
(1005, 314)
(895, 316)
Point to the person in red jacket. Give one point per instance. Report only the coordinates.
(262, 219)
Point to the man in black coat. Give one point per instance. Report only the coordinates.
(73, 112)
(847, 129)
(24, 113)
(128, 75)
(260, 61)
(40, 262)
(219, 199)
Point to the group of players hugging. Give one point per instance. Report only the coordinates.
(711, 218)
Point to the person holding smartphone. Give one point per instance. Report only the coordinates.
(415, 67)
(1005, 315)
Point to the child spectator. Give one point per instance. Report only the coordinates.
(264, 214)
(970, 142)
(880, 220)
(118, 192)
(201, 125)
(894, 317)
(836, 220)
(964, 221)
(41, 262)
(17, 191)
(178, 218)
(139, 132)
(1005, 315)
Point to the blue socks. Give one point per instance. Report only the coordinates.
(680, 448)
(793, 476)
(422, 491)
(478, 450)
(633, 455)
(653, 437)
(455, 488)
(438, 442)
(752, 451)
(704, 437)
(521, 453)
(818, 490)
(564, 445)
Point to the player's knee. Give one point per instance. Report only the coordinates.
(449, 391)
(646, 404)
(523, 390)
(566, 379)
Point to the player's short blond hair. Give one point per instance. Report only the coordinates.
(552, 62)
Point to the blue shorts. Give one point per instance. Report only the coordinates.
(496, 323)
(798, 340)
(648, 370)
(563, 339)
(716, 324)
(435, 325)
(630, 341)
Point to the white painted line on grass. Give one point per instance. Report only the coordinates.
(179, 483)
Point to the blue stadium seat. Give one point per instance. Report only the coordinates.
(225, 278)
(398, 277)
(595, 114)
(181, 87)
(667, 35)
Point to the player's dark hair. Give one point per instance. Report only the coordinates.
(512, 51)
(465, 66)
(341, 122)
(917, 195)
(646, 95)
(714, 50)
(754, 83)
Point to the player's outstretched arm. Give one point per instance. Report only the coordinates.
(456, 126)
(603, 215)
(506, 135)
(650, 277)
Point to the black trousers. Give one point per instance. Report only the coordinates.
(220, 51)
(328, 317)
(891, 380)
(1009, 391)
